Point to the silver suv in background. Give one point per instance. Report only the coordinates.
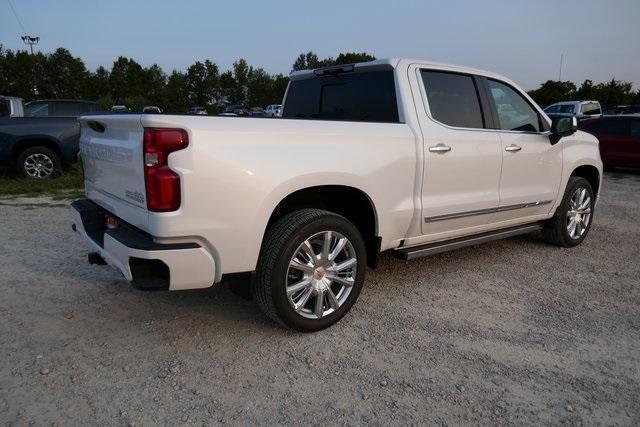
(579, 109)
(273, 110)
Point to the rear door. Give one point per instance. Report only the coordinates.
(462, 157)
(531, 165)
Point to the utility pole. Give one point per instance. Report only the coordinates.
(30, 41)
(560, 72)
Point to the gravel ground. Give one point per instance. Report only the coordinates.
(511, 332)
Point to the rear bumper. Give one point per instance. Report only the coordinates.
(146, 264)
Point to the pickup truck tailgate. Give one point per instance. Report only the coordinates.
(112, 156)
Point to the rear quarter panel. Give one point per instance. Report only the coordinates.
(63, 131)
(236, 171)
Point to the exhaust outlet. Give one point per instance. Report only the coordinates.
(96, 258)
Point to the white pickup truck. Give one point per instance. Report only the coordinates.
(391, 155)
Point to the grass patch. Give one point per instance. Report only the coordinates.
(70, 184)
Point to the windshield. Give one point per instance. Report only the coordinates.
(560, 108)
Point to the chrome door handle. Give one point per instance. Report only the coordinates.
(439, 148)
(513, 148)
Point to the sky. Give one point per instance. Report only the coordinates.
(521, 39)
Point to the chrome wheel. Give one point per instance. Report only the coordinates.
(321, 274)
(579, 213)
(38, 165)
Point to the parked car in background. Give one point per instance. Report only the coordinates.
(199, 111)
(273, 110)
(237, 110)
(60, 108)
(401, 155)
(151, 109)
(622, 109)
(120, 109)
(256, 112)
(619, 138)
(40, 143)
(11, 106)
(579, 109)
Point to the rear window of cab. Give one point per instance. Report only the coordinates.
(364, 96)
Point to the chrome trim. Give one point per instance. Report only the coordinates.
(427, 107)
(439, 148)
(485, 211)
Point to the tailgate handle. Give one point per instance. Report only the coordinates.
(97, 126)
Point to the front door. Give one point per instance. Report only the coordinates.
(531, 165)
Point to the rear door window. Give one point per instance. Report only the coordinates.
(514, 112)
(36, 109)
(635, 128)
(453, 99)
(5, 108)
(66, 109)
(360, 96)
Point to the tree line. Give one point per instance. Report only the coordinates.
(61, 75)
(613, 92)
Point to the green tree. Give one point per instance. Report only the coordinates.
(64, 76)
(127, 79)
(203, 84)
(614, 92)
(97, 85)
(280, 83)
(353, 57)
(553, 91)
(154, 84)
(175, 94)
(310, 61)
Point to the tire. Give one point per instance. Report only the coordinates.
(557, 230)
(39, 163)
(284, 245)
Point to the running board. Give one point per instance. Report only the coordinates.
(449, 245)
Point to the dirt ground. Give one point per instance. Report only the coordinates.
(511, 332)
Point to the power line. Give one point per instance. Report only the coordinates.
(17, 18)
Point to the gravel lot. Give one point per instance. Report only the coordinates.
(512, 332)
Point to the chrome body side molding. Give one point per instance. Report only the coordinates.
(485, 211)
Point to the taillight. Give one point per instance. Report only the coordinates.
(161, 183)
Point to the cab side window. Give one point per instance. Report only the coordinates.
(36, 109)
(591, 109)
(453, 99)
(514, 112)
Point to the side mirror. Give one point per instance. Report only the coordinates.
(563, 126)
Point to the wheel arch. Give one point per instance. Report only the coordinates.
(37, 141)
(352, 203)
(591, 174)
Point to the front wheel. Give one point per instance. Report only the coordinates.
(572, 220)
(311, 269)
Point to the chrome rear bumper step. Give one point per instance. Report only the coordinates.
(449, 245)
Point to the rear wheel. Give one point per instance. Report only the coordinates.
(39, 163)
(572, 220)
(310, 270)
